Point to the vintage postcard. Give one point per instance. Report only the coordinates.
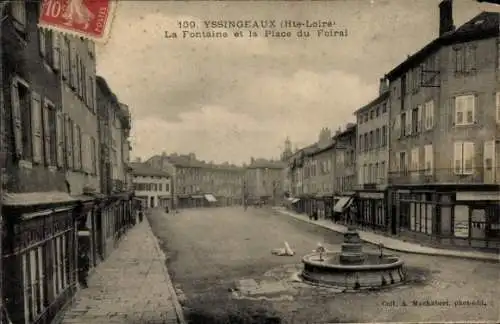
(259, 162)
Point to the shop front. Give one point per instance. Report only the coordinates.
(342, 204)
(466, 216)
(372, 208)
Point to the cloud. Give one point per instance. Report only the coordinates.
(235, 98)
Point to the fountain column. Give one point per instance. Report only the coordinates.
(352, 248)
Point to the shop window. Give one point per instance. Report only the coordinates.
(478, 223)
(461, 221)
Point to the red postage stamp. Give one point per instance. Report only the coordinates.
(85, 18)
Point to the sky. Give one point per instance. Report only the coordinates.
(236, 98)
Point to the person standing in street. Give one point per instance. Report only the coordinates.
(83, 268)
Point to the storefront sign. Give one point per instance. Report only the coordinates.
(480, 195)
(371, 195)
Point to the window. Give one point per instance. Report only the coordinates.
(361, 147)
(377, 111)
(77, 142)
(384, 135)
(366, 117)
(366, 142)
(403, 124)
(403, 161)
(377, 137)
(382, 170)
(69, 136)
(370, 140)
(73, 69)
(375, 173)
(50, 132)
(465, 110)
(428, 159)
(415, 163)
(21, 115)
(465, 59)
(498, 106)
(365, 173)
(372, 114)
(429, 114)
(56, 50)
(397, 126)
(464, 157)
(18, 12)
(384, 108)
(416, 119)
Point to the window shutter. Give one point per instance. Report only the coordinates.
(56, 48)
(46, 132)
(430, 116)
(498, 106)
(60, 139)
(73, 70)
(489, 155)
(406, 162)
(471, 109)
(459, 110)
(16, 118)
(42, 46)
(36, 127)
(66, 59)
(458, 157)
(408, 123)
(69, 142)
(397, 126)
(429, 159)
(468, 157)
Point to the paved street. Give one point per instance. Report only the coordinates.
(129, 287)
(221, 263)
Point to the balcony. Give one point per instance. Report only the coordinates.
(477, 175)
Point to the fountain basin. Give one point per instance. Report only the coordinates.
(371, 271)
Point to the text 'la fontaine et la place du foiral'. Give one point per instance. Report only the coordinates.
(279, 29)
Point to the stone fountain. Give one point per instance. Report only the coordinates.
(353, 269)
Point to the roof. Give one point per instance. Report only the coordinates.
(36, 198)
(381, 98)
(267, 165)
(483, 25)
(143, 169)
(184, 161)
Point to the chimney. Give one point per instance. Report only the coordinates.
(446, 17)
(383, 86)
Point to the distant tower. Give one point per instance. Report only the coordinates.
(287, 152)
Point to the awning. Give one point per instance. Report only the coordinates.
(36, 198)
(210, 198)
(342, 204)
(295, 200)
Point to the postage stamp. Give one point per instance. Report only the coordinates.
(84, 18)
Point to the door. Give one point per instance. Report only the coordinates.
(393, 220)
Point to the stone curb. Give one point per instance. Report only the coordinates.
(450, 254)
(175, 300)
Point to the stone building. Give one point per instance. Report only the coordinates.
(344, 170)
(113, 130)
(444, 143)
(372, 158)
(264, 181)
(39, 234)
(152, 186)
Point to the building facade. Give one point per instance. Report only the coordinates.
(264, 181)
(39, 234)
(198, 183)
(113, 130)
(152, 186)
(445, 137)
(372, 159)
(344, 171)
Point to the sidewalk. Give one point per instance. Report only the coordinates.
(131, 286)
(392, 243)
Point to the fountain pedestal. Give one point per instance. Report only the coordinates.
(352, 248)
